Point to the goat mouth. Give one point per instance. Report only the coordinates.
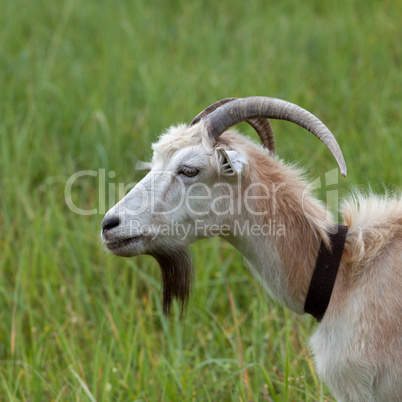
(123, 243)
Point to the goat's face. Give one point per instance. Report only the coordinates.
(188, 189)
(183, 198)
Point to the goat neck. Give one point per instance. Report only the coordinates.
(289, 227)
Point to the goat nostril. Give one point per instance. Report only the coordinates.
(110, 223)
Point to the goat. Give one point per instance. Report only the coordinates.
(206, 180)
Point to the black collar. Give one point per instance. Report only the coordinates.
(324, 275)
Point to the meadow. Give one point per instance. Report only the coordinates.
(89, 86)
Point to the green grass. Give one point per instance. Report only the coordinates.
(89, 85)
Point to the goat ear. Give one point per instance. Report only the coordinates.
(232, 163)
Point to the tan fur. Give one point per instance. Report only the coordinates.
(303, 216)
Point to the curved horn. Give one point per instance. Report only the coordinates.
(261, 125)
(210, 109)
(253, 107)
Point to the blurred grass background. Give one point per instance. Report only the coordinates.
(90, 85)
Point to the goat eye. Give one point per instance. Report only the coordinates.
(188, 171)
